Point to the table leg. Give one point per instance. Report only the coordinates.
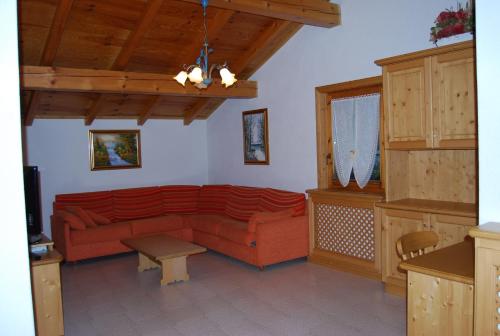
(174, 269)
(146, 263)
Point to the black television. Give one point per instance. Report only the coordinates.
(32, 200)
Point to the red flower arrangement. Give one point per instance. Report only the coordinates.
(450, 22)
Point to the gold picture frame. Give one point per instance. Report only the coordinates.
(114, 149)
(255, 137)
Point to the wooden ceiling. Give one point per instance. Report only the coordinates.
(109, 59)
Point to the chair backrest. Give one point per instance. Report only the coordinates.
(413, 244)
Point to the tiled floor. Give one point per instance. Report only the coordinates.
(225, 297)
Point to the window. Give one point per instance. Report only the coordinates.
(327, 177)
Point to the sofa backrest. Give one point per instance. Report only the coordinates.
(212, 199)
(100, 202)
(180, 199)
(137, 203)
(237, 202)
(243, 202)
(273, 200)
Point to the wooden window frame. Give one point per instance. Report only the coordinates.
(324, 136)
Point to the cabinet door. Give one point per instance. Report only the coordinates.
(453, 100)
(396, 223)
(407, 109)
(451, 229)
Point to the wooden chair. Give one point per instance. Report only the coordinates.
(414, 244)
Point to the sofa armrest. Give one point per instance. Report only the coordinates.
(60, 234)
(282, 240)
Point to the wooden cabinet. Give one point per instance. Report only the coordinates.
(46, 283)
(487, 279)
(429, 98)
(441, 292)
(399, 218)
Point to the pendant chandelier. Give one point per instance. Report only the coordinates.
(200, 74)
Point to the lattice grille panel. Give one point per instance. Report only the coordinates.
(345, 230)
(497, 300)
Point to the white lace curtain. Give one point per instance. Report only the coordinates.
(355, 137)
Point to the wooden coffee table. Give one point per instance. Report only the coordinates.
(166, 252)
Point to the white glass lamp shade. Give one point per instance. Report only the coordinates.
(228, 78)
(196, 75)
(181, 78)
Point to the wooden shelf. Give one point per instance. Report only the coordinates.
(436, 207)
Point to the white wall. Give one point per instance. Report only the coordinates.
(16, 307)
(370, 30)
(171, 154)
(488, 73)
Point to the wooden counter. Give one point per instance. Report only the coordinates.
(454, 263)
(441, 291)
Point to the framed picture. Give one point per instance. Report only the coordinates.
(116, 149)
(255, 137)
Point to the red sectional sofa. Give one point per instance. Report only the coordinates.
(260, 226)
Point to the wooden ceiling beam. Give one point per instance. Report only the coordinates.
(49, 52)
(148, 110)
(93, 111)
(40, 78)
(56, 32)
(214, 28)
(152, 8)
(276, 29)
(310, 12)
(32, 107)
(135, 36)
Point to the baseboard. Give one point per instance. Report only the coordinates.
(348, 264)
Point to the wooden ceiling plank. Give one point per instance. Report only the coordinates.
(109, 81)
(137, 34)
(32, 107)
(276, 29)
(121, 61)
(148, 110)
(56, 31)
(310, 12)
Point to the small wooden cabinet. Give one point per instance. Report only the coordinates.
(451, 221)
(441, 292)
(429, 98)
(47, 300)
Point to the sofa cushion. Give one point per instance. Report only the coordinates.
(264, 217)
(273, 200)
(212, 199)
(180, 199)
(98, 219)
(75, 222)
(100, 202)
(236, 231)
(82, 214)
(156, 224)
(103, 233)
(243, 202)
(206, 223)
(137, 203)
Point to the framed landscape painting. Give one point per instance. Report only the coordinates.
(255, 137)
(116, 149)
